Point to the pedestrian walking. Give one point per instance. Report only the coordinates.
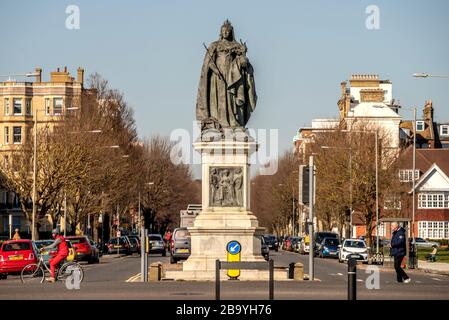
(16, 235)
(398, 250)
(167, 237)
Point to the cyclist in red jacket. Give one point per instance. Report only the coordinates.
(61, 254)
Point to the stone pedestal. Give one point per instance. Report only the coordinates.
(225, 214)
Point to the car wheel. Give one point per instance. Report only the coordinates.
(164, 253)
(172, 259)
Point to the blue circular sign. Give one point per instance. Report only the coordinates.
(234, 247)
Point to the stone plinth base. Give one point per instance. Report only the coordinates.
(225, 214)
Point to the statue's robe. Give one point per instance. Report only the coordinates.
(230, 99)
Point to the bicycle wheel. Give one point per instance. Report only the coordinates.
(32, 273)
(70, 268)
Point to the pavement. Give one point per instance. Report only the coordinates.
(441, 268)
(108, 280)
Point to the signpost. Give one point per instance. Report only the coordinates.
(10, 226)
(233, 249)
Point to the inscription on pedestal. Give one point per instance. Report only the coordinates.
(226, 186)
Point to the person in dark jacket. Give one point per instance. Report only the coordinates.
(398, 251)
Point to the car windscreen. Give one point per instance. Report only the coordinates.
(326, 235)
(16, 246)
(155, 238)
(41, 244)
(77, 240)
(117, 240)
(182, 234)
(269, 239)
(355, 244)
(331, 242)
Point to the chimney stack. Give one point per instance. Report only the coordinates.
(39, 74)
(343, 88)
(80, 75)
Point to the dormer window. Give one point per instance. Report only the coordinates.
(420, 126)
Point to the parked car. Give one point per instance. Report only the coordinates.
(134, 246)
(157, 244)
(137, 238)
(304, 245)
(318, 238)
(85, 250)
(286, 244)
(354, 248)
(264, 249)
(293, 243)
(16, 254)
(422, 243)
(329, 247)
(272, 242)
(297, 246)
(118, 245)
(97, 247)
(47, 255)
(179, 245)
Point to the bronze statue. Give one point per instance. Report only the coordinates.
(226, 92)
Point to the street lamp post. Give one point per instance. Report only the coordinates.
(426, 75)
(414, 172)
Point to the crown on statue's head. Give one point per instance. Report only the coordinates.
(227, 24)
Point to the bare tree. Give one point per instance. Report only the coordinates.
(274, 197)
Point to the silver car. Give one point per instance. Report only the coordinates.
(179, 245)
(422, 243)
(157, 244)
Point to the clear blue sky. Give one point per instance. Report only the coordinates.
(301, 50)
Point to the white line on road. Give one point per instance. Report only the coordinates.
(133, 278)
(436, 279)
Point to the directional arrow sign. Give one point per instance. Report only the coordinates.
(234, 247)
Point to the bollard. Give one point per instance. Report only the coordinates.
(142, 254)
(352, 279)
(217, 279)
(291, 270)
(155, 271)
(298, 271)
(271, 279)
(145, 257)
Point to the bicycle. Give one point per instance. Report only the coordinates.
(35, 272)
(378, 258)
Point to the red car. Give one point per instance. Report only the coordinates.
(86, 250)
(16, 254)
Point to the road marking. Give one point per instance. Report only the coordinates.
(359, 280)
(339, 274)
(436, 279)
(418, 281)
(134, 278)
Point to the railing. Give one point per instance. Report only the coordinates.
(247, 265)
